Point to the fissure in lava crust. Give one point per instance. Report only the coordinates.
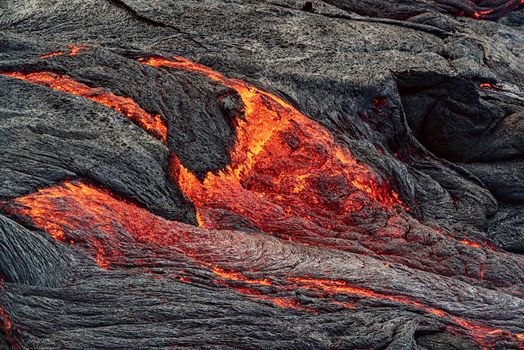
(151, 123)
(73, 51)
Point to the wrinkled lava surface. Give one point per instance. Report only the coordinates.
(347, 177)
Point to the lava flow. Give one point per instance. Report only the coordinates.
(73, 51)
(497, 9)
(67, 211)
(482, 334)
(289, 177)
(125, 105)
(481, 9)
(284, 165)
(105, 226)
(7, 326)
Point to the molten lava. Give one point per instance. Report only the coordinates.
(125, 105)
(284, 167)
(235, 276)
(482, 334)
(52, 54)
(73, 51)
(488, 86)
(289, 177)
(104, 225)
(67, 211)
(482, 9)
(7, 326)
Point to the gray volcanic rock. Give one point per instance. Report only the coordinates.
(121, 232)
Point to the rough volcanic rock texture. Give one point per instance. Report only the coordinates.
(262, 174)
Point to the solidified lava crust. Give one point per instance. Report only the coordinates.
(262, 174)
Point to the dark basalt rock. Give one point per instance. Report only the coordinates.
(104, 246)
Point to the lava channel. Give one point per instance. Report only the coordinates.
(106, 226)
(288, 177)
(154, 124)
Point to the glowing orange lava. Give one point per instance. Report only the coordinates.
(71, 210)
(125, 105)
(288, 176)
(488, 86)
(286, 303)
(266, 133)
(64, 210)
(235, 276)
(284, 166)
(52, 54)
(482, 14)
(7, 324)
(8, 328)
(493, 10)
(73, 51)
(471, 244)
(482, 334)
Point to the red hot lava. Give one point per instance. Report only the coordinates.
(289, 177)
(69, 211)
(125, 105)
(482, 334)
(482, 9)
(7, 326)
(94, 220)
(488, 86)
(284, 166)
(73, 51)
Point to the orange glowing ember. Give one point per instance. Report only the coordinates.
(125, 105)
